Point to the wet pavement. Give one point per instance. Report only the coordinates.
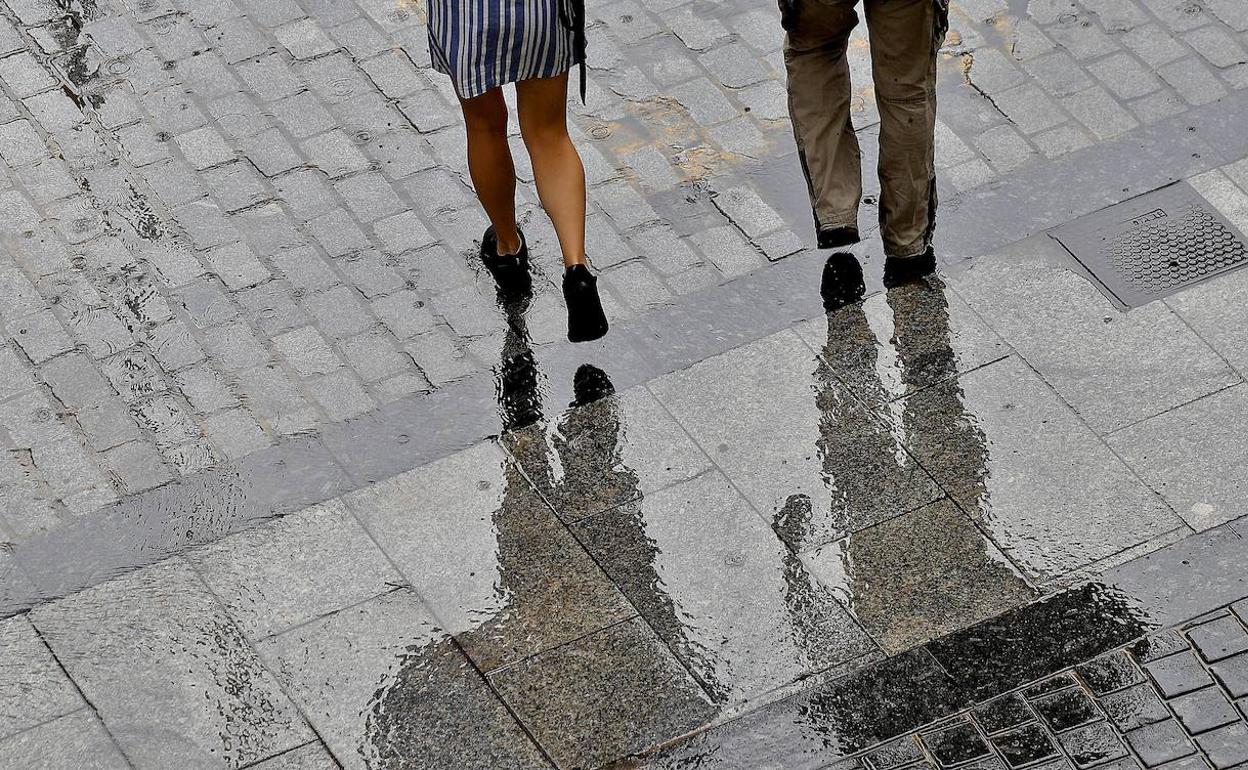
(285, 483)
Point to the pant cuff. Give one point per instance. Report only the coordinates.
(828, 222)
(912, 250)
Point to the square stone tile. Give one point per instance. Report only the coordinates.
(33, 688)
(1039, 481)
(920, 576)
(1178, 674)
(572, 699)
(1195, 457)
(1159, 743)
(717, 585)
(310, 757)
(171, 676)
(76, 740)
(386, 688)
(793, 439)
(495, 565)
(903, 340)
(1204, 710)
(1211, 308)
(607, 453)
(1092, 745)
(1114, 368)
(1134, 707)
(304, 565)
(1227, 746)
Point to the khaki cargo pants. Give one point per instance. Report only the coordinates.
(905, 37)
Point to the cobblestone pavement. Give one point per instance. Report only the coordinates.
(238, 281)
(230, 223)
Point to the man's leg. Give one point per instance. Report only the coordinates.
(819, 100)
(904, 43)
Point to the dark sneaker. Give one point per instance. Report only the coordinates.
(899, 271)
(510, 271)
(586, 321)
(836, 237)
(842, 283)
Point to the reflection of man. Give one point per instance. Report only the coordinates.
(905, 37)
(932, 572)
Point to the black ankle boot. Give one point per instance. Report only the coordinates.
(836, 237)
(510, 271)
(586, 321)
(899, 271)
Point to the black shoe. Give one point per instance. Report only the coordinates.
(836, 237)
(586, 321)
(842, 283)
(590, 384)
(899, 271)
(510, 271)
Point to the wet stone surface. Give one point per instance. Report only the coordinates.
(384, 686)
(248, 350)
(490, 559)
(134, 645)
(741, 612)
(568, 697)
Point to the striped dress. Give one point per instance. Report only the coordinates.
(483, 44)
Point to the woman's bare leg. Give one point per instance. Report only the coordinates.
(490, 164)
(557, 169)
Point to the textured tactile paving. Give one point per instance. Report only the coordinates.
(1155, 245)
(1123, 710)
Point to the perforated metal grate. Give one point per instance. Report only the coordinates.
(1154, 245)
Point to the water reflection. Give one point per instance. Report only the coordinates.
(928, 571)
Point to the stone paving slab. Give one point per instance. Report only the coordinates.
(74, 740)
(737, 608)
(382, 684)
(169, 673)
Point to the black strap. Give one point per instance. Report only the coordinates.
(575, 23)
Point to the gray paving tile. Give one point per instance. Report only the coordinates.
(313, 756)
(385, 687)
(33, 687)
(1194, 457)
(303, 566)
(76, 740)
(1036, 478)
(1210, 308)
(902, 340)
(171, 676)
(717, 585)
(568, 698)
(606, 453)
(495, 565)
(808, 456)
(920, 576)
(1114, 368)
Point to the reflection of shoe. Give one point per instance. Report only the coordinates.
(836, 237)
(842, 281)
(902, 270)
(586, 321)
(590, 384)
(510, 271)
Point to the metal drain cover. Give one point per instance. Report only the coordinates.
(1154, 245)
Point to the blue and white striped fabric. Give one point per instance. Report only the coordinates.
(483, 44)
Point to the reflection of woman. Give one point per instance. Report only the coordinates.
(530, 575)
(483, 45)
